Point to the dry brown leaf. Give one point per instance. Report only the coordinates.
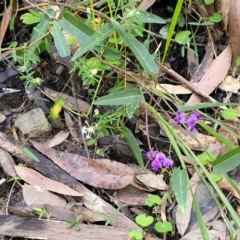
(230, 84)
(2, 118)
(69, 102)
(153, 181)
(5, 22)
(35, 195)
(35, 178)
(58, 138)
(192, 63)
(146, 4)
(214, 75)
(102, 173)
(132, 196)
(224, 184)
(223, 6)
(182, 219)
(7, 163)
(217, 232)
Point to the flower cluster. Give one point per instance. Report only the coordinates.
(190, 121)
(159, 160)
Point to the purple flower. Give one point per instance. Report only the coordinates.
(168, 163)
(156, 165)
(196, 115)
(151, 154)
(180, 117)
(160, 157)
(191, 122)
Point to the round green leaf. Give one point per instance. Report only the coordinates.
(216, 17)
(206, 157)
(135, 234)
(230, 114)
(216, 178)
(163, 227)
(153, 199)
(143, 220)
(183, 37)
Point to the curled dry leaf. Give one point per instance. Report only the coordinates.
(152, 180)
(35, 178)
(230, 84)
(5, 21)
(58, 138)
(7, 163)
(102, 173)
(214, 75)
(224, 184)
(69, 102)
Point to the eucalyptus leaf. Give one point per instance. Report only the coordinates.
(29, 154)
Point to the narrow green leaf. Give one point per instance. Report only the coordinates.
(131, 108)
(173, 24)
(147, 17)
(133, 144)
(60, 41)
(105, 31)
(128, 96)
(203, 105)
(180, 185)
(227, 162)
(75, 27)
(29, 154)
(140, 52)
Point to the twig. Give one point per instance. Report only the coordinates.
(187, 83)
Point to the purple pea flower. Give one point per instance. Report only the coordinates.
(180, 117)
(156, 165)
(191, 122)
(160, 157)
(151, 154)
(168, 163)
(196, 115)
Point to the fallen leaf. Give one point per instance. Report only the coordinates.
(230, 84)
(69, 102)
(223, 7)
(192, 63)
(58, 138)
(146, 4)
(214, 75)
(35, 178)
(2, 118)
(7, 163)
(182, 219)
(35, 195)
(152, 180)
(224, 184)
(132, 196)
(102, 173)
(5, 22)
(217, 232)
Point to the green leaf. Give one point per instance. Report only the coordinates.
(31, 18)
(133, 144)
(209, 1)
(128, 96)
(29, 154)
(230, 114)
(135, 234)
(140, 52)
(206, 157)
(216, 17)
(153, 199)
(75, 27)
(131, 108)
(180, 185)
(203, 105)
(215, 177)
(163, 227)
(147, 17)
(227, 162)
(60, 41)
(144, 220)
(238, 61)
(105, 31)
(183, 37)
